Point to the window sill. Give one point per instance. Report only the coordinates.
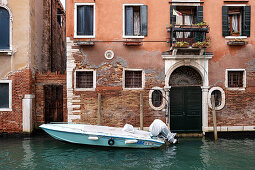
(236, 88)
(5, 109)
(235, 37)
(134, 37)
(132, 88)
(85, 89)
(84, 36)
(6, 52)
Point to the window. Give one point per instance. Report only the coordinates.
(236, 20)
(219, 96)
(59, 17)
(133, 79)
(157, 98)
(85, 80)
(5, 95)
(186, 15)
(236, 78)
(4, 29)
(135, 20)
(84, 20)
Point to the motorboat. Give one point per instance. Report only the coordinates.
(127, 136)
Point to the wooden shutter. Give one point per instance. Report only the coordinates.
(129, 19)
(199, 15)
(246, 21)
(4, 29)
(172, 17)
(225, 21)
(144, 20)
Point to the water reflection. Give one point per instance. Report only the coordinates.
(192, 153)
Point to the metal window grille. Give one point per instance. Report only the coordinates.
(157, 98)
(133, 79)
(84, 79)
(235, 79)
(217, 97)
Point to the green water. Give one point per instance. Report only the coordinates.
(191, 153)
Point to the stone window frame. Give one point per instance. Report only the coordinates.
(75, 21)
(10, 50)
(223, 98)
(10, 95)
(124, 24)
(94, 80)
(235, 88)
(123, 79)
(162, 106)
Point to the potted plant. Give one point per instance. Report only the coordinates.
(202, 24)
(181, 44)
(203, 44)
(237, 41)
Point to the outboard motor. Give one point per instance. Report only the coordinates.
(158, 127)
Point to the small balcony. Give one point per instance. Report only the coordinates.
(188, 42)
(185, 36)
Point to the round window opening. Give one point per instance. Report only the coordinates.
(157, 98)
(217, 97)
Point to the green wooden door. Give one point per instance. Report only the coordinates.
(186, 109)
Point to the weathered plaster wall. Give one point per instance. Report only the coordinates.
(20, 38)
(120, 106)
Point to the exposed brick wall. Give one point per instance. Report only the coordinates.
(49, 78)
(22, 83)
(118, 106)
(238, 111)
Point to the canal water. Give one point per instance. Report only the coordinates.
(44, 152)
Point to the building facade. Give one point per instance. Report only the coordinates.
(32, 57)
(134, 61)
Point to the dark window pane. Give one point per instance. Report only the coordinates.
(217, 97)
(157, 98)
(4, 29)
(85, 20)
(84, 79)
(235, 79)
(4, 95)
(133, 79)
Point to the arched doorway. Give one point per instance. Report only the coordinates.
(185, 100)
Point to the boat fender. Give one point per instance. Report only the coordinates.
(111, 142)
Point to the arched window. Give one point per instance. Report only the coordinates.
(4, 29)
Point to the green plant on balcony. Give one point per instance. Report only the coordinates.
(181, 44)
(202, 24)
(203, 44)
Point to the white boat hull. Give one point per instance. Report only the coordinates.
(101, 136)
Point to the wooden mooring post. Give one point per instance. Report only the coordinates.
(214, 118)
(141, 111)
(99, 109)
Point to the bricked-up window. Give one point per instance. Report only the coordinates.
(235, 78)
(157, 98)
(84, 79)
(133, 79)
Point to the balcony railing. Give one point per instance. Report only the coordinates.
(188, 35)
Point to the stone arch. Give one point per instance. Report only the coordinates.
(185, 76)
(200, 69)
